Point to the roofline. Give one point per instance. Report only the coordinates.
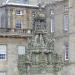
(21, 5)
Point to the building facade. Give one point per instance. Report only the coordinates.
(60, 21)
(15, 30)
(16, 24)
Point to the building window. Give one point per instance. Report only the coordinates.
(2, 21)
(18, 12)
(21, 50)
(18, 23)
(52, 25)
(66, 22)
(2, 52)
(2, 73)
(29, 31)
(66, 51)
(52, 12)
(66, 8)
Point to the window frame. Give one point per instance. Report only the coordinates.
(4, 53)
(51, 12)
(18, 24)
(4, 72)
(66, 49)
(19, 12)
(66, 22)
(52, 25)
(66, 8)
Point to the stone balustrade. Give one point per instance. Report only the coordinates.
(13, 32)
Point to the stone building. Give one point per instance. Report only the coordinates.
(16, 24)
(60, 22)
(15, 30)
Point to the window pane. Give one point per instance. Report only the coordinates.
(21, 50)
(18, 24)
(52, 25)
(66, 51)
(66, 8)
(2, 56)
(2, 73)
(2, 51)
(52, 12)
(18, 12)
(66, 22)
